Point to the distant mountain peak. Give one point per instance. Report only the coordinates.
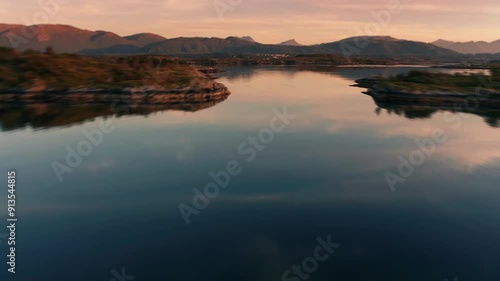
(442, 41)
(290, 42)
(238, 39)
(470, 47)
(371, 38)
(143, 39)
(70, 39)
(67, 38)
(248, 38)
(144, 34)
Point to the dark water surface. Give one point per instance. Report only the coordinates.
(322, 175)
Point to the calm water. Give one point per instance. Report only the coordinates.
(322, 175)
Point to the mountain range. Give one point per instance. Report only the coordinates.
(69, 39)
(471, 47)
(290, 42)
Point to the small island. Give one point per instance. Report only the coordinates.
(46, 77)
(467, 92)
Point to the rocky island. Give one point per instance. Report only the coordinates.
(46, 77)
(466, 92)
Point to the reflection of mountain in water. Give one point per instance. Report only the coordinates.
(45, 115)
(491, 116)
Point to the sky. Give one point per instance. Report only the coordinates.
(270, 21)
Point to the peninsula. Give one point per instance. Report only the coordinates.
(458, 91)
(35, 77)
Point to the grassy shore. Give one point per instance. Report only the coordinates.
(459, 92)
(35, 71)
(427, 81)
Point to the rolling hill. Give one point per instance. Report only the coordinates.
(290, 42)
(471, 47)
(68, 39)
(248, 38)
(143, 39)
(375, 47)
(386, 46)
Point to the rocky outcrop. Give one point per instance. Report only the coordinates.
(210, 91)
(366, 82)
(477, 98)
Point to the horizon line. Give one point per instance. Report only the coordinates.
(241, 37)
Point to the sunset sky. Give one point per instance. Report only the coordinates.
(268, 21)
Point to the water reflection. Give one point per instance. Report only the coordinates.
(323, 175)
(349, 74)
(49, 115)
(491, 116)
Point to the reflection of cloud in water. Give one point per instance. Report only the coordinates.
(326, 107)
(99, 166)
(186, 150)
(330, 106)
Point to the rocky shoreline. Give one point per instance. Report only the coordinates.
(211, 91)
(38, 78)
(484, 98)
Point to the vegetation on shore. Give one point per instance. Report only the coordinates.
(41, 71)
(428, 81)
(422, 92)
